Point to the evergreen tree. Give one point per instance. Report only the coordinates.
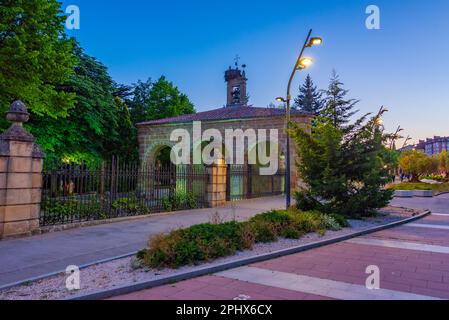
(338, 108)
(345, 169)
(309, 98)
(35, 57)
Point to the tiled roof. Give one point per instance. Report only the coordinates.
(226, 113)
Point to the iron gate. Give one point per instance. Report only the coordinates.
(246, 182)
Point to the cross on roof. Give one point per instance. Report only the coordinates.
(237, 59)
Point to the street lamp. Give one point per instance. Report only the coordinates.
(304, 63)
(301, 64)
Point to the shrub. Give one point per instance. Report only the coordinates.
(291, 233)
(131, 205)
(278, 220)
(309, 221)
(195, 244)
(340, 220)
(264, 231)
(179, 201)
(247, 235)
(330, 223)
(63, 210)
(205, 242)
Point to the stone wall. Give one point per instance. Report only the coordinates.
(153, 137)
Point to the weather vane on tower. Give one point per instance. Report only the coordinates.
(237, 59)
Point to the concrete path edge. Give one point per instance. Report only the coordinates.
(104, 294)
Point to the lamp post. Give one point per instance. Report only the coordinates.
(301, 64)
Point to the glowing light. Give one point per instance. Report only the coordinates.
(305, 63)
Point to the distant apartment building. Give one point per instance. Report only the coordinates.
(433, 146)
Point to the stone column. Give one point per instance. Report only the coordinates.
(216, 186)
(21, 163)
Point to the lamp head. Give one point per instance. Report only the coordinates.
(280, 99)
(304, 63)
(316, 41)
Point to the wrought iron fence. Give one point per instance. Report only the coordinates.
(78, 193)
(246, 182)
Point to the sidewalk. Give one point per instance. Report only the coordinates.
(22, 259)
(438, 204)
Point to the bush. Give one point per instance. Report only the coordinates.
(291, 233)
(131, 205)
(264, 231)
(330, 223)
(64, 210)
(195, 244)
(205, 242)
(340, 220)
(181, 200)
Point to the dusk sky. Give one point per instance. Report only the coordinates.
(404, 66)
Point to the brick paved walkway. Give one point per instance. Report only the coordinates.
(412, 267)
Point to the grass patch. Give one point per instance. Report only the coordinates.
(436, 188)
(206, 242)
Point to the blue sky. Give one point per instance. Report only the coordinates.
(404, 66)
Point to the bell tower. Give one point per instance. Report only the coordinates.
(236, 86)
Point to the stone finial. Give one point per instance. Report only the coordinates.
(18, 113)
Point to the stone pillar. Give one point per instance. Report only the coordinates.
(21, 163)
(216, 186)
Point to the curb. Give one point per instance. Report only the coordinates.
(104, 294)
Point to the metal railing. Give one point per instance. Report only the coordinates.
(78, 193)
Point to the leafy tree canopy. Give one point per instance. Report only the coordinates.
(35, 57)
(93, 128)
(417, 164)
(165, 100)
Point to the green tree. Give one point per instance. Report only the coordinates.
(345, 169)
(92, 126)
(165, 101)
(415, 163)
(443, 159)
(138, 104)
(35, 57)
(338, 108)
(125, 143)
(309, 98)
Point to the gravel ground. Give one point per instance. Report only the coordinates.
(122, 272)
